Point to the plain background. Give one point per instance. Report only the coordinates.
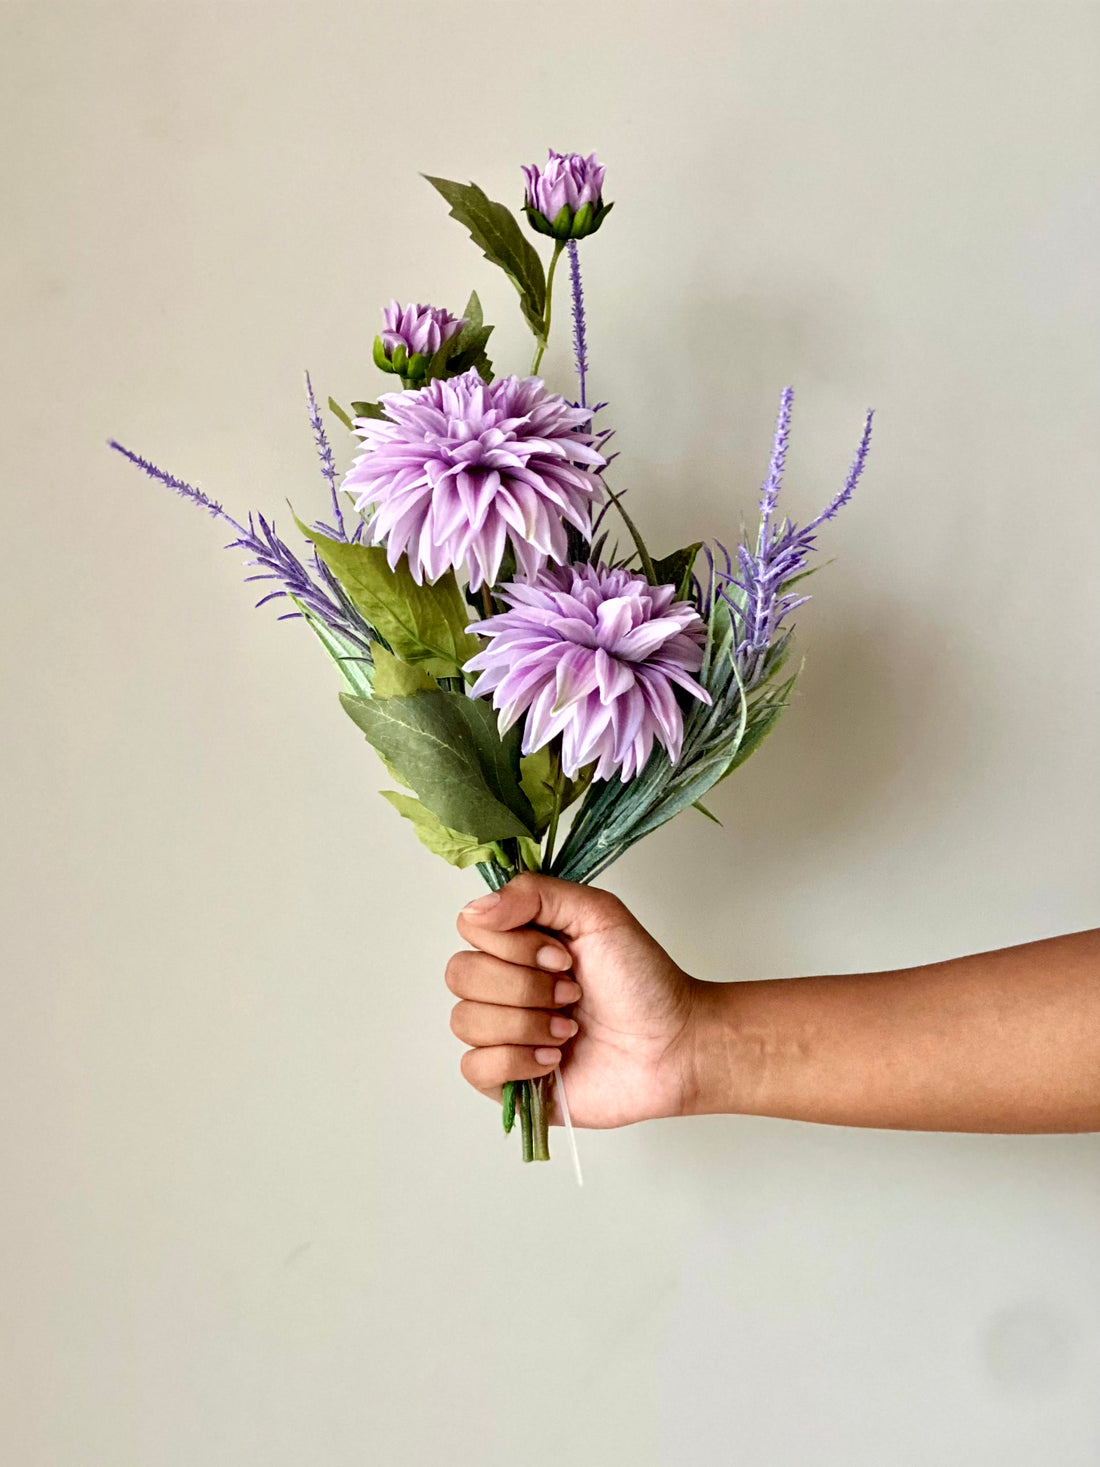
(252, 1216)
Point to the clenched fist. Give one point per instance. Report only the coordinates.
(564, 972)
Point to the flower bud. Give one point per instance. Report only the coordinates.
(411, 337)
(565, 199)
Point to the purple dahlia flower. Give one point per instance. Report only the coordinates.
(592, 654)
(565, 199)
(459, 467)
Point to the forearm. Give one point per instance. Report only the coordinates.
(1005, 1041)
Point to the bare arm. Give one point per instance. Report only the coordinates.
(999, 1041)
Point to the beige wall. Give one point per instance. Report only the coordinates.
(252, 1216)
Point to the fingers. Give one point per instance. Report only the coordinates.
(491, 1024)
(525, 948)
(542, 901)
(488, 1069)
(488, 979)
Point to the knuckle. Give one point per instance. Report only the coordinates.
(457, 970)
(460, 1019)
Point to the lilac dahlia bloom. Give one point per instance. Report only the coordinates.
(460, 467)
(592, 654)
(570, 182)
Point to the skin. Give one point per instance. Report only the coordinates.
(1004, 1041)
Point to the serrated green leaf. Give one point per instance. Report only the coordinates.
(423, 624)
(395, 679)
(367, 410)
(455, 848)
(675, 569)
(446, 747)
(495, 230)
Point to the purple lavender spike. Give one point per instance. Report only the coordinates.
(780, 555)
(275, 558)
(580, 340)
(770, 492)
(328, 463)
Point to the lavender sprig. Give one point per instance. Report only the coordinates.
(328, 467)
(780, 556)
(275, 559)
(580, 339)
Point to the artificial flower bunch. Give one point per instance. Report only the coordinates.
(545, 697)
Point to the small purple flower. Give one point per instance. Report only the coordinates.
(411, 337)
(592, 654)
(565, 199)
(460, 467)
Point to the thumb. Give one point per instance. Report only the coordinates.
(564, 907)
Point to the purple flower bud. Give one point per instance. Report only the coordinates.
(411, 337)
(565, 199)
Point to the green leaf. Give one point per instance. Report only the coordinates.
(467, 348)
(536, 778)
(446, 747)
(334, 407)
(455, 848)
(495, 230)
(354, 663)
(367, 410)
(508, 1105)
(394, 678)
(675, 569)
(761, 723)
(704, 811)
(423, 624)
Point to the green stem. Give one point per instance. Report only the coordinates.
(540, 1120)
(635, 535)
(486, 600)
(559, 245)
(523, 1096)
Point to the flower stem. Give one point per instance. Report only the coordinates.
(558, 247)
(540, 1119)
(523, 1099)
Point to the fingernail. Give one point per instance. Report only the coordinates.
(566, 991)
(482, 904)
(554, 958)
(545, 1056)
(563, 1028)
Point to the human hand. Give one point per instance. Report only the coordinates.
(623, 1028)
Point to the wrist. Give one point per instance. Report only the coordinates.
(728, 1055)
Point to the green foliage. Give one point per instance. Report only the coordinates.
(334, 407)
(537, 781)
(496, 231)
(455, 848)
(445, 747)
(423, 624)
(394, 678)
(508, 1105)
(367, 410)
(466, 348)
(675, 570)
(354, 663)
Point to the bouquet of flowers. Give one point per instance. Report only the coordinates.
(544, 695)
